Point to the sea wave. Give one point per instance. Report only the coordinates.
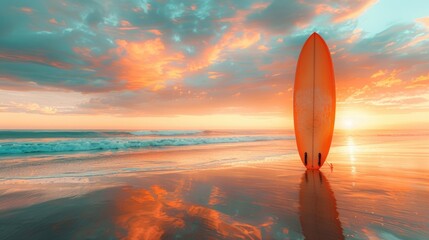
(114, 144)
(38, 134)
(166, 132)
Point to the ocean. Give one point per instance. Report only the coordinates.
(224, 184)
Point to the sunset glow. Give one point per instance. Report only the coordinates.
(211, 65)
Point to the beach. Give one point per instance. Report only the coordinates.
(211, 185)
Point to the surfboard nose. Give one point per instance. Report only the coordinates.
(314, 35)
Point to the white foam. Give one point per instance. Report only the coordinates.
(82, 145)
(166, 132)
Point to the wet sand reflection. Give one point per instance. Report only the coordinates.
(380, 182)
(318, 208)
(240, 203)
(160, 214)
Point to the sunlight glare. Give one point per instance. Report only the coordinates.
(349, 124)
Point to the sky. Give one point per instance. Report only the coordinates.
(224, 64)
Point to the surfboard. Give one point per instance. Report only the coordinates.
(314, 102)
(318, 213)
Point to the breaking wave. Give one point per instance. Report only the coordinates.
(166, 132)
(114, 144)
(20, 134)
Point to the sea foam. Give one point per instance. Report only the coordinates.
(113, 144)
(166, 132)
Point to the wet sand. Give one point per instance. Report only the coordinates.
(377, 189)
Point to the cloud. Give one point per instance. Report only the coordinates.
(200, 57)
(35, 50)
(12, 84)
(27, 108)
(26, 10)
(424, 21)
(146, 64)
(282, 16)
(398, 41)
(344, 10)
(388, 91)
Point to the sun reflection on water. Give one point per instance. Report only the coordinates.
(351, 153)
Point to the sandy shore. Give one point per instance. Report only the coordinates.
(377, 189)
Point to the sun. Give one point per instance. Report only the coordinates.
(352, 119)
(348, 124)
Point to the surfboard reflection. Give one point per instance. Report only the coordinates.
(318, 208)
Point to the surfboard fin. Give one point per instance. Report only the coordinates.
(305, 158)
(320, 158)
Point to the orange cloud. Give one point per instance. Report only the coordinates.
(259, 6)
(28, 108)
(125, 23)
(237, 37)
(209, 56)
(26, 10)
(84, 52)
(386, 80)
(354, 36)
(146, 64)
(343, 13)
(386, 91)
(232, 40)
(424, 21)
(422, 78)
(378, 73)
(244, 40)
(215, 75)
(155, 31)
(263, 48)
(421, 81)
(53, 21)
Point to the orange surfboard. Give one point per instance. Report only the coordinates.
(314, 102)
